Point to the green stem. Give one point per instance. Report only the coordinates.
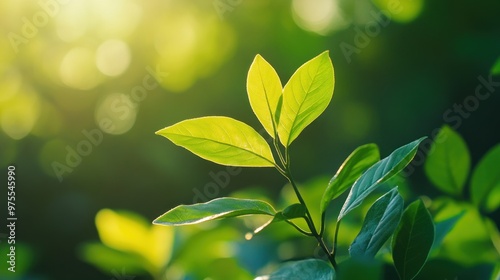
(278, 151)
(337, 227)
(322, 225)
(309, 219)
(299, 229)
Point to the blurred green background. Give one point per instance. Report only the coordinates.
(73, 68)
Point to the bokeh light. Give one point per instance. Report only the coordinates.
(113, 57)
(122, 69)
(319, 16)
(20, 113)
(116, 113)
(78, 69)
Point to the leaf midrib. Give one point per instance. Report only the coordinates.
(224, 144)
(302, 103)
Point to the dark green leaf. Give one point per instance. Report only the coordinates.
(380, 222)
(378, 174)
(311, 269)
(448, 161)
(352, 168)
(412, 240)
(219, 208)
(485, 182)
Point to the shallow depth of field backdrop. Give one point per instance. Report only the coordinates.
(85, 84)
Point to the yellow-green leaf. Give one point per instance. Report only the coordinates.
(221, 140)
(264, 92)
(305, 97)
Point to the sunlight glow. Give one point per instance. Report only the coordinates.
(319, 16)
(402, 10)
(116, 113)
(19, 114)
(113, 57)
(72, 22)
(78, 70)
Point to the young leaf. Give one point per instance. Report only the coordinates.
(293, 211)
(448, 165)
(311, 269)
(378, 174)
(412, 240)
(357, 163)
(485, 182)
(221, 140)
(219, 208)
(305, 97)
(380, 222)
(264, 92)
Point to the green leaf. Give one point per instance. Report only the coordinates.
(443, 227)
(448, 162)
(352, 168)
(219, 208)
(294, 211)
(485, 182)
(311, 269)
(264, 93)
(305, 97)
(412, 240)
(291, 212)
(495, 70)
(221, 140)
(378, 174)
(380, 222)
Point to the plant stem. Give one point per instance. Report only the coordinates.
(322, 225)
(299, 229)
(309, 219)
(337, 226)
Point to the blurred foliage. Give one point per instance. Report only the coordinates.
(82, 56)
